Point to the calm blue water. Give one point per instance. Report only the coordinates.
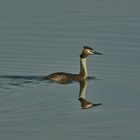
(41, 37)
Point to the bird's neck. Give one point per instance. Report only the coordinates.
(83, 68)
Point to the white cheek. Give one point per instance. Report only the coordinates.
(89, 52)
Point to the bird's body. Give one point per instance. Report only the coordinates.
(62, 77)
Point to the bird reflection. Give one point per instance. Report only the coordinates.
(85, 104)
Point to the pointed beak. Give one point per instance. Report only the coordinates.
(98, 53)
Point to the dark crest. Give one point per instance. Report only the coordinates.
(87, 47)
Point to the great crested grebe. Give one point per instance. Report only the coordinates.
(62, 77)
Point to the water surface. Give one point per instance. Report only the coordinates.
(41, 37)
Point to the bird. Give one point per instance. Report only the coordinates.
(63, 77)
